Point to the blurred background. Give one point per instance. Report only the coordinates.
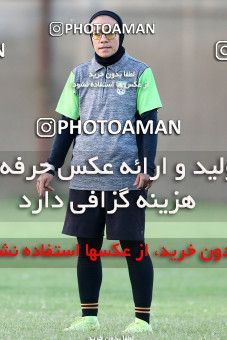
(191, 81)
(37, 303)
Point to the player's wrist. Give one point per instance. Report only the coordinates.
(51, 168)
(51, 172)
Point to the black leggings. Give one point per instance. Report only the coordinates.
(89, 275)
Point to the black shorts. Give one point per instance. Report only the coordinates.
(124, 224)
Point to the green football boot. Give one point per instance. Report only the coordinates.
(138, 326)
(84, 324)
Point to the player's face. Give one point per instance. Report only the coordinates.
(104, 45)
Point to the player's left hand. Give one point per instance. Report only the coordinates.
(143, 181)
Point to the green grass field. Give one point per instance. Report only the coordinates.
(37, 303)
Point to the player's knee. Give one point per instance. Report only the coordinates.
(86, 244)
(135, 248)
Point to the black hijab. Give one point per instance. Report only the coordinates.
(119, 53)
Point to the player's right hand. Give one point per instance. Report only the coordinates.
(43, 184)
